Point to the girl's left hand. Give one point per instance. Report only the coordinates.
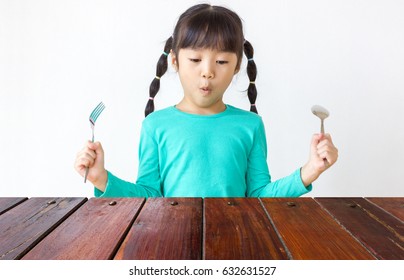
(323, 154)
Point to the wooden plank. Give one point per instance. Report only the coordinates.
(26, 224)
(393, 205)
(93, 232)
(380, 232)
(6, 203)
(239, 228)
(309, 233)
(166, 228)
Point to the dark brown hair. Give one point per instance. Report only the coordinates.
(206, 26)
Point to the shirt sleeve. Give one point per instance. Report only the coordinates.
(289, 186)
(259, 179)
(148, 182)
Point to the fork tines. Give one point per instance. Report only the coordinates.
(96, 112)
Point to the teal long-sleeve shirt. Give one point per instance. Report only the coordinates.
(188, 155)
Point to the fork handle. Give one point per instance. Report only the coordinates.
(85, 176)
(87, 168)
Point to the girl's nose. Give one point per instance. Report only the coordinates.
(207, 71)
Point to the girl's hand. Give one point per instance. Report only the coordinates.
(92, 156)
(323, 154)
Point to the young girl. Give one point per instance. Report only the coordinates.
(202, 147)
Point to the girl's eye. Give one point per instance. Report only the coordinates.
(194, 60)
(221, 62)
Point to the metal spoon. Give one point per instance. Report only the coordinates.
(322, 113)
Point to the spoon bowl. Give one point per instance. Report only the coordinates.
(322, 113)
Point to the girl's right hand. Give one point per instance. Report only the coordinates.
(92, 156)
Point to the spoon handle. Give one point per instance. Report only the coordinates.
(322, 131)
(322, 126)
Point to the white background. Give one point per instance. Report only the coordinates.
(59, 59)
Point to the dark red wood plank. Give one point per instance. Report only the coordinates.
(166, 229)
(380, 232)
(6, 203)
(393, 205)
(26, 224)
(93, 232)
(239, 228)
(309, 233)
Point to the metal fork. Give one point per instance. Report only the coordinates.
(93, 117)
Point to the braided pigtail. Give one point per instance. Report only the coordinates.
(161, 69)
(252, 75)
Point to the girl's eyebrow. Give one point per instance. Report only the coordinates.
(209, 49)
(223, 54)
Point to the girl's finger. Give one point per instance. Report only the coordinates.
(84, 162)
(89, 154)
(325, 142)
(330, 156)
(325, 149)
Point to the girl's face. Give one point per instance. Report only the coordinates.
(205, 75)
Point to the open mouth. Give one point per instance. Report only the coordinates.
(205, 90)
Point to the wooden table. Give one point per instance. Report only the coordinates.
(195, 228)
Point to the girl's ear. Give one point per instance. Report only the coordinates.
(174, 62)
